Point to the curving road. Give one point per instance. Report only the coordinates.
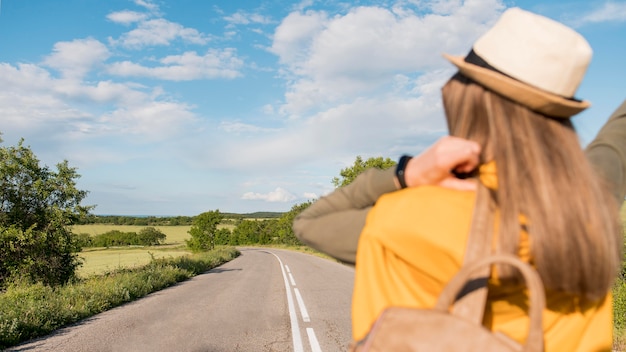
(264, 300)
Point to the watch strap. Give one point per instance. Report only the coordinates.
(400, 170)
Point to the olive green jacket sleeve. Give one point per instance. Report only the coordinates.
(333, 223)
(607, 152)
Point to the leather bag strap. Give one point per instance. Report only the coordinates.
(473, 297)
(534, 340)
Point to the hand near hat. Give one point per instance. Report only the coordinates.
(434, 166)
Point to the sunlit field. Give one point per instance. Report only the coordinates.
(99, 261)
(102, 260)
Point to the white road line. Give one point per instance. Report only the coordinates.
(287, 268)
(303, 311)
(295, 328)
(293, 282)
(315, 346)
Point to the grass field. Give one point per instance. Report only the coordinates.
(99, 261)
(102, 260)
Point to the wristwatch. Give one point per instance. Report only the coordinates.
(400, 168)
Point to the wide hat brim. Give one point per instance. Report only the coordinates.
(533, 98)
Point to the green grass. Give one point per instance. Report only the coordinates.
(29, 311)
(99, 261)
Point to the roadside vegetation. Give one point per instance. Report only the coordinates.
(32, 310)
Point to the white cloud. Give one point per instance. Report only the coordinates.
(334, 60)
(303, 5)
(159, 31)
(149, 5)
(295, 34)
(339, 133)
(23, 77)
(188, 66)
(268, 109)
(29, 102)
(239, 127)
(33, 103)
(609, 12)
(153, 120)
(245, 18)
(444, 7)
(126, 17)
(278, 195)
(76, 58)
(309, 195)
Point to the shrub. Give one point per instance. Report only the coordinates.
(150, 236)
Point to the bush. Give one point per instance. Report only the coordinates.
(37, 256)
(150, 236)
(82, 240)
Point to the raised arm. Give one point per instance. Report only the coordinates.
(333, 223)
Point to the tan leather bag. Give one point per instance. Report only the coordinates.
(440, 329)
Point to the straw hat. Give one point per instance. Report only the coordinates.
(532, 60)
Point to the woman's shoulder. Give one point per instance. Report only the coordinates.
(426, 200)
(436, 215)
(425, 226)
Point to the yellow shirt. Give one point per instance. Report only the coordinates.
(414, 242)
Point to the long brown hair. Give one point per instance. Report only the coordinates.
(543, 175)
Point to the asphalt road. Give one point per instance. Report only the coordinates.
(265, 300)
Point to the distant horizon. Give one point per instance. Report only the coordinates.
(171, 216)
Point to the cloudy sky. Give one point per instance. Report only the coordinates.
(176, 107)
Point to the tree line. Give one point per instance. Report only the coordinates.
(229, 218)
(148, 236)
(205, 234)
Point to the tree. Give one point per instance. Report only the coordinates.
(203, 231)
(37, 207)
(246, 232)
(284, 225)
(151, 236)
(222, 237)
(348, 174)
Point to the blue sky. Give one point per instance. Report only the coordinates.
(176, 107)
